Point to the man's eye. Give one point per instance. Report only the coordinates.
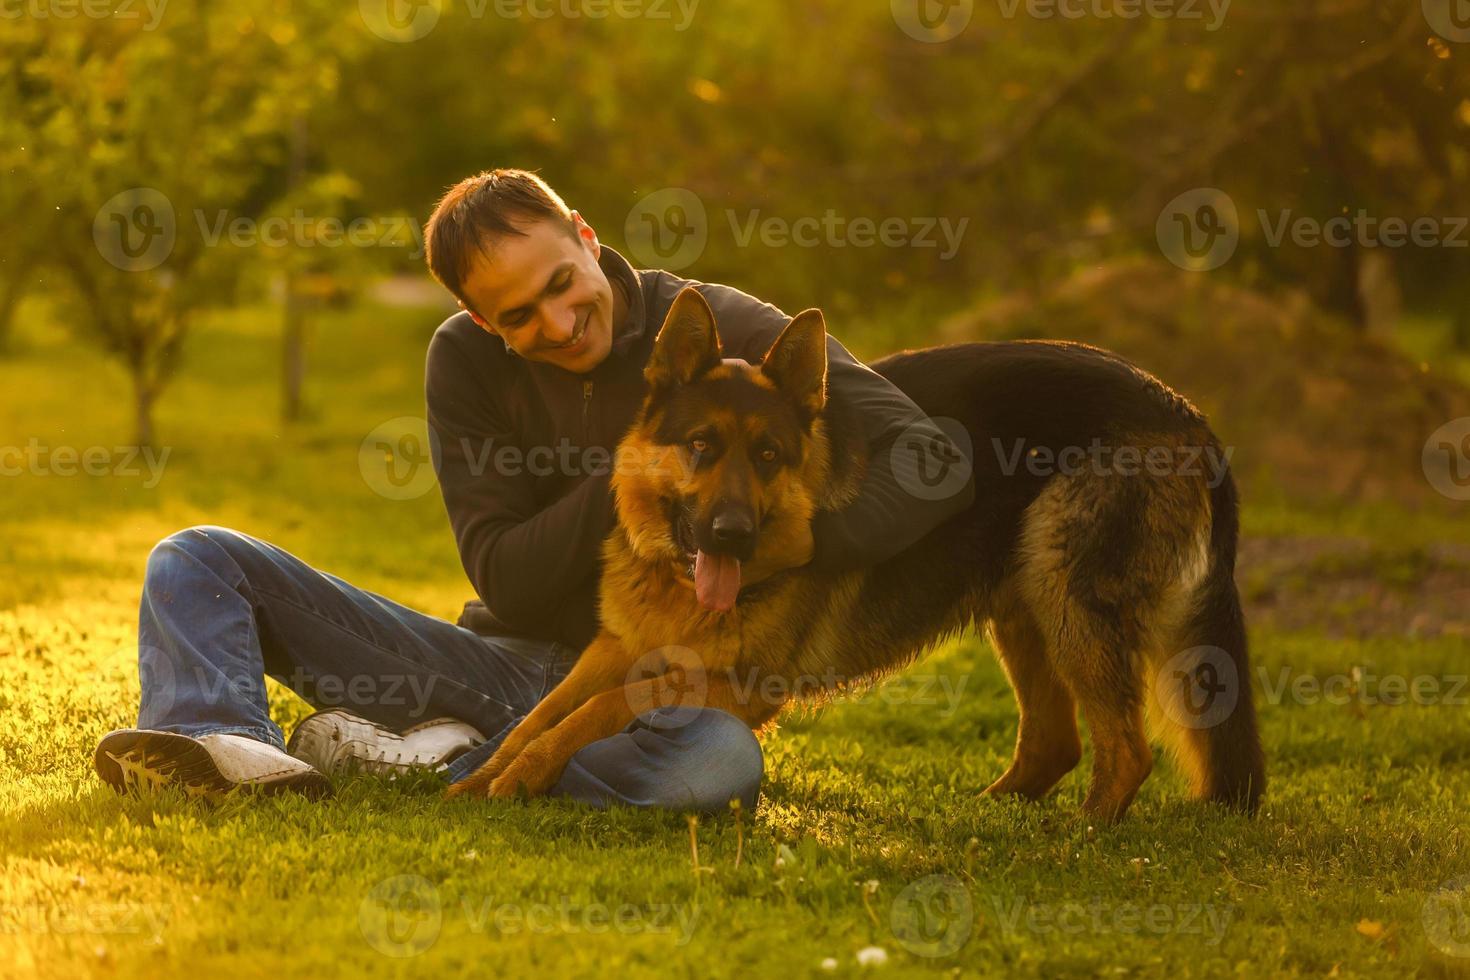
(563, 285)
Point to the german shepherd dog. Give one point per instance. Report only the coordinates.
(1111, 591)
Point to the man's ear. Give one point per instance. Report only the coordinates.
(797, 362)
(585, 233)
(687, 344)
(479, 320)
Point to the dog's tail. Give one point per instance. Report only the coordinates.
(1203, 687)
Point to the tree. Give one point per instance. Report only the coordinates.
(332, 251)
(167, 134)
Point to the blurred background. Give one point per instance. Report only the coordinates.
(213, 241)
(214, 310)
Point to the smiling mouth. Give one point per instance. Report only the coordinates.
(578, 336)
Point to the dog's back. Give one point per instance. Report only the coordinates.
(1100, 551)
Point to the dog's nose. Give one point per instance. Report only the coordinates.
(734, 530)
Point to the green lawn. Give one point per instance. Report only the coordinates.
(865, 801)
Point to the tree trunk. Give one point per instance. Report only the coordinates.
(144, 395)
(12, 288)
(293, 355)
(1340, 286)
(1379, 297)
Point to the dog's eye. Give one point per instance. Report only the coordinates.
(699, 445)
(768, 455)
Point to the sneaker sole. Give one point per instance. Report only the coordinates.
(142, 760)
(339, 766)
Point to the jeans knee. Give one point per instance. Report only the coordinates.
(715, 757)
(182, 548)
(167, 556)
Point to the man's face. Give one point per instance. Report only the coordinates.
(545, 295)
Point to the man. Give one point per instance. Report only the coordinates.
(529, 390)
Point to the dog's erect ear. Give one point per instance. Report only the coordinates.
(687, 345)
(797, 362)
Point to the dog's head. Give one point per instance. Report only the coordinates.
(726, 458)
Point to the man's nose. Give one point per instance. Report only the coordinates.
(559, 326)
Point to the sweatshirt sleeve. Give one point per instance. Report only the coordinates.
(893, 508)
(524, 563)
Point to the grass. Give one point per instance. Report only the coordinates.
(864, 802)
(1430, 340)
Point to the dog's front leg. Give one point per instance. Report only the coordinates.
(541, 763)
(601, 666)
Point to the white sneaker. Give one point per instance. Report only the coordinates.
(210, 765)
(335, 741)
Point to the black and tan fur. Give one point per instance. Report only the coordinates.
(1087, 582)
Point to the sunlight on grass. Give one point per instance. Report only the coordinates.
(1363, 821)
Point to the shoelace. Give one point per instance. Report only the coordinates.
(397, 760)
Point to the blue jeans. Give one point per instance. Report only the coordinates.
(220, 610)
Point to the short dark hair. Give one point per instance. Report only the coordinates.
(478, 208)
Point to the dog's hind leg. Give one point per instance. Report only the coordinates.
(1088, 577)
(1121, 756)
(1047, 745)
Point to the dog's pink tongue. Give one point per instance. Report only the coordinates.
(716, 581)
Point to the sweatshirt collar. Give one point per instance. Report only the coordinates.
(617, 270)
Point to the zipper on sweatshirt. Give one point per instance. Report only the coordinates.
(586, 410)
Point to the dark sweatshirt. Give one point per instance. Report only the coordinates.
(523, 452)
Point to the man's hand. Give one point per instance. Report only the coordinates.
(793, 547)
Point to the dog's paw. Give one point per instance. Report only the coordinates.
(532, 773)
(476, 784)
(505, 787)
(479, 782)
